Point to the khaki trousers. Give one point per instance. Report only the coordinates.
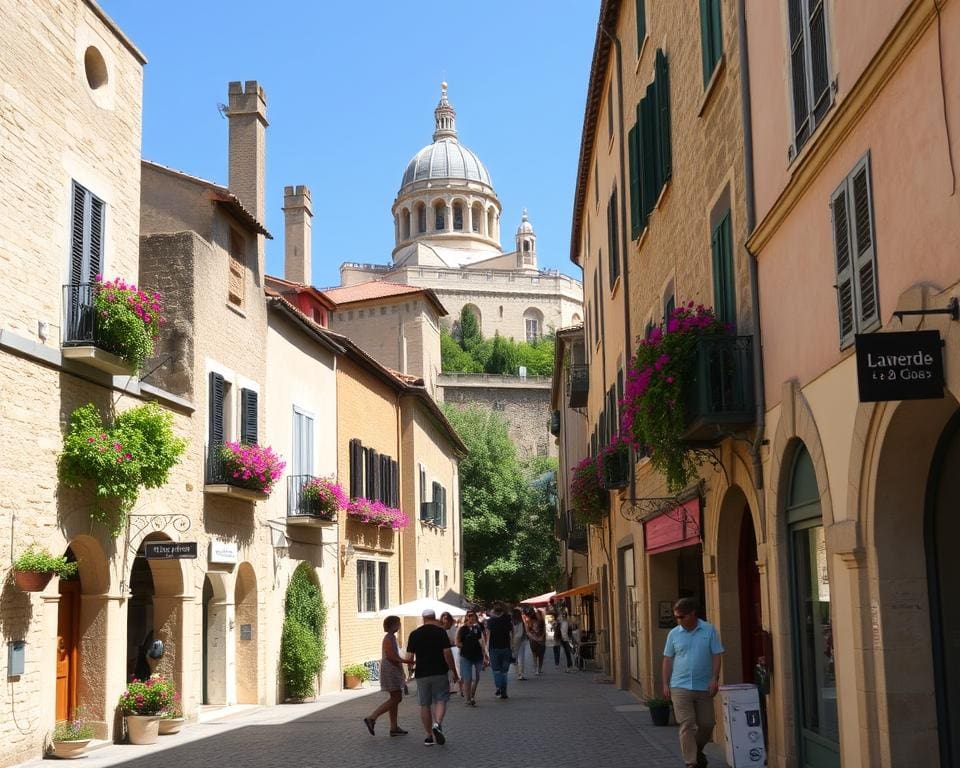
(694, 713)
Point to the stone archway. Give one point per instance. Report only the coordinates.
(218, 656)
(246, 635)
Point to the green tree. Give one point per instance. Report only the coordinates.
(503, 356)
(470, 334)
(453, 358)
(508, 510)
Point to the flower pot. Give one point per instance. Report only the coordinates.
(170, 725)
(68, 750)
(32, 581)
(143, 729)
(660, 715)
(349, 681)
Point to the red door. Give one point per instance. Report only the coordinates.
(68, 621)
(751, 626)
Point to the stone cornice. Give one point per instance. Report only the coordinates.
(847, 114)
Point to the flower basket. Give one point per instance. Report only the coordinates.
(659, 380)
(587, 497)
(323, 498)
(377, 513)
(128, 319)
(34, 568)
(251, 466)
(152, 696)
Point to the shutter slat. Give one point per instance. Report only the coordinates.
(356, 469)
(641, 24)
(95, 261)
(248, 417)
(841, 243)
(706, 54)
(635, 206)
(77, 272)
(866, 282)
(798, 71)
(216, 408)
(664, 151)
(820, 74)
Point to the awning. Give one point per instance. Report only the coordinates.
(581, 590)
(543, 599)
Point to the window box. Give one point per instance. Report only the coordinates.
(303, 510)
(720, 398)
(81, 339)
(219, 481)
(615, 467)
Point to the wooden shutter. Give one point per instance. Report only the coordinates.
(438, 500)
(373, 475)
(641, 24)
(86, 236)
(356, 469)
(443, 507)
(865, 288)
(648, 156)
(633, 146)
(798, 71)
(840, 207)
(248, 417)
(216, 409)
(819, 70)
(724, 297)
(423, 485)
(77, 267)
(613, 249)
(94, 264)
(711, 37)
(664, 150)
(395, 482)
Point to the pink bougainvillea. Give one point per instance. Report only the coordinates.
(325, 497)
(128, 318)
(587, 497)
(378, 513)
(251, 466)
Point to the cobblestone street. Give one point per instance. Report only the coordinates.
(553, 721)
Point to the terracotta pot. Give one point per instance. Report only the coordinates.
(143, 729)
(32, 581)
(68, 750)
(349, 681)
(170, 725)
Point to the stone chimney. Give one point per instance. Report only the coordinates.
(247, 111)
(297, 216)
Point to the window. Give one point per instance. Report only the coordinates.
(724, 294)
(301, 455)
(596, 307)
(533, 324)
(421, 218)
(651, 156)
(711, 37)
(373, 585)
(426, 582)
(669, 303)
(438, 217)
(436, 584)
(856, 259)
(458, 216)
(809, 69)
(613, 240)
(423, 484)
(373, 475)
(641, 25)
(440, 498)
(86, 236)
(238, 262)
(610, 113)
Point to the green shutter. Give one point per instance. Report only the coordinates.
(865, 280)
(648, 156)
(613, 249)
(724, 296)
(705, 53)
(641, 24)
(840, 208)
(636, 221)
(664, 152)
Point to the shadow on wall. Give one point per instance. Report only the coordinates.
(15, 610)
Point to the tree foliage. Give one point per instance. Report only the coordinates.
(508, 510)
(467, 351)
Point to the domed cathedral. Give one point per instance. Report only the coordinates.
(447, 238)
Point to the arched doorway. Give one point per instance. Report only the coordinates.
(218, 658)
(68, 643)
(245, 602)
(943, 569)
(751, 611)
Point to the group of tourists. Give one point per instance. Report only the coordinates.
(439, 650)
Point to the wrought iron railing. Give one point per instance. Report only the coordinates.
(720, 397)
(615, 466)
(299, 505)
(80, 319)
(577, 538)
(579, 381)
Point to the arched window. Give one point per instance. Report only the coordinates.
(813, 644)
(533, 324)
(458, 216)
(476, 220)
(421, 218)
(405, 224)
(490, 222)
(439, 217)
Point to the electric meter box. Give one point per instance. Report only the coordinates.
(743, 726)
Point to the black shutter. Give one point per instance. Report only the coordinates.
(819, 71)
(395, 482)
(706, 54)
(841, 243)
(443, 507)
(77, 271)
(356, 469)
(641, 24)
(868, 312)
(798, 71)
(96, 239)
(216, 409)
(438, 501)
(664, 151)
(648, 157)
(613, 239)
(248, 417)
(636, 222)
(370, 470)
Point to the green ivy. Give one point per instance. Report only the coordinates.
(138, 449)
(303, 642)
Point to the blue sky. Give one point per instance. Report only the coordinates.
(351, 90)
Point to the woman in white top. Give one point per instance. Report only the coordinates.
(451, 628)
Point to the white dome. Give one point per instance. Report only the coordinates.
(445, 159)
(525, 228)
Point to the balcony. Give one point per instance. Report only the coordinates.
(720, 398)
(304, 511)
(615, 468)
(81, 340)
(219, 482)
(577, 538)
(579, 385)
(555, 423)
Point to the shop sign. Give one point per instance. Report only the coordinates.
(680, 527)
(223, 552)
(170, 550)
(899, 366)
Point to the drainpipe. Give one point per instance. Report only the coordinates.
(758, 380)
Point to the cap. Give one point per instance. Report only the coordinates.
(428, 613)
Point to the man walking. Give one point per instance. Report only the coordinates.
(430, 646)
(499, 641)
(691, 677)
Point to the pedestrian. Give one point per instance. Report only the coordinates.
(472, 642)
(518, 643)
(430, 648)
(562, 639)
(691, 678)
(499, 636)
(537, 635)
(450, 627)
(392, 679)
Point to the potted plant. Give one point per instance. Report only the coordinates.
(71, 737)
(324, 498)
(171, 718)
(659, 710)
(251, 466)
(128, 319)
(659, 377)
(35, 567)
(378, 513)
(587, 497)
(354, 675)
(142, 703)
(615, 465)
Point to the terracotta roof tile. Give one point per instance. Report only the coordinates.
(380, 289)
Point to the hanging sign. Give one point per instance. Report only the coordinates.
(899, 366)
(170, 550)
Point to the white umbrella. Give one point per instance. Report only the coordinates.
(417, 607)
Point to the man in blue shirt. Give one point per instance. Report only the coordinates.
(691, 677)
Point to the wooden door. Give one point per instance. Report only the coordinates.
(68, 636)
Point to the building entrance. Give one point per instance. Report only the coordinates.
(68, 645)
